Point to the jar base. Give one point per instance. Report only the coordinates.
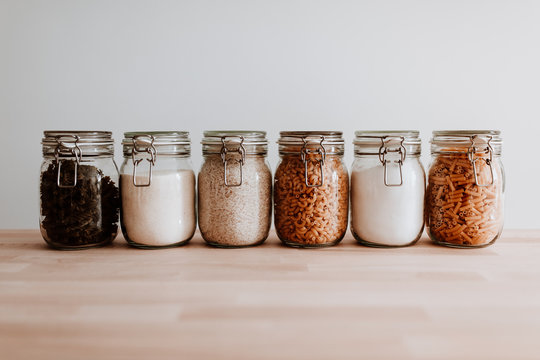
(382, 246)
(157, 247)
(458, 246)
(78, 247)
(461, 246)
(225, 246)
(309, 246)
(363, 242)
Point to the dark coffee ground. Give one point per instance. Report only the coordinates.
(80, 216)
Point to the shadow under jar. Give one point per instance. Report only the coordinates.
(387, 188)
(311, 189)
(79, 197)
(157, 186)
(464, 197)
(234, 189)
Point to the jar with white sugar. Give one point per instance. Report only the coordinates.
(157, 188)
(387, 188)
(234, 189)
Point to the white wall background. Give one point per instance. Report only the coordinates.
(273, 65)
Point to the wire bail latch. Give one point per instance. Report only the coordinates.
(304, 156)
(143, 144)
(384, 149)
(488, 150)
(225, 151)
(67, 145)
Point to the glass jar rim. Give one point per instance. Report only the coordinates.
(83, 137)
(250, 137)
(159, 142)
(77, 144)
(160, 137)
(458, 133)
(374, 137)
(249, 142)
(322, 137)
(377, 142)
(452, 141)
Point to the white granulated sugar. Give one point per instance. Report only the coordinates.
(235, 216)
(387, 215)
(160, 214)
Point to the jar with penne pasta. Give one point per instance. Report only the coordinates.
(311, 189)
(465, 193)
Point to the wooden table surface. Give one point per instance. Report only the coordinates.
(270, 302)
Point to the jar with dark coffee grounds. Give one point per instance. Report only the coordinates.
(79, 196)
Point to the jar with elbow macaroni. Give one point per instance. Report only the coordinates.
(311, 189)
(465, 193)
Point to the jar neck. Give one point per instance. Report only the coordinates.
(299, 150)
(231, 148)
(373, 156)
(94, 157)
(158, 157)
(212, 155)
(456, 150)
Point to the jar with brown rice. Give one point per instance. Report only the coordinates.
(234, 189)
(311, 189)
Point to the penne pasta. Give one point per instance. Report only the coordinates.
(311, 216)
(458, 211)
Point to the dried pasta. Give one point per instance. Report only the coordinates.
(458, 211)
(311, 216)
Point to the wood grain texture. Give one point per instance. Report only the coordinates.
(270, 302)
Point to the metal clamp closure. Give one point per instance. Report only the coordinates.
(471, 152)
(304, 156)
(143, 144)
(384, 150)
(68, 145)
(225, 151)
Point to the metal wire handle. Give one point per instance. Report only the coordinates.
(224, 151)
(471, 155)
(75, 152)
(149, 149)
(321, 150)
(401, 151)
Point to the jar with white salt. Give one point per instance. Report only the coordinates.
(157, 188)
(387, 188)
(234, 189)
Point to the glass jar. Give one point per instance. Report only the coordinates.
(235, 189)
(311, 189)
(464, 197)
(157, 186)
(387, 188)
(79, 198)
